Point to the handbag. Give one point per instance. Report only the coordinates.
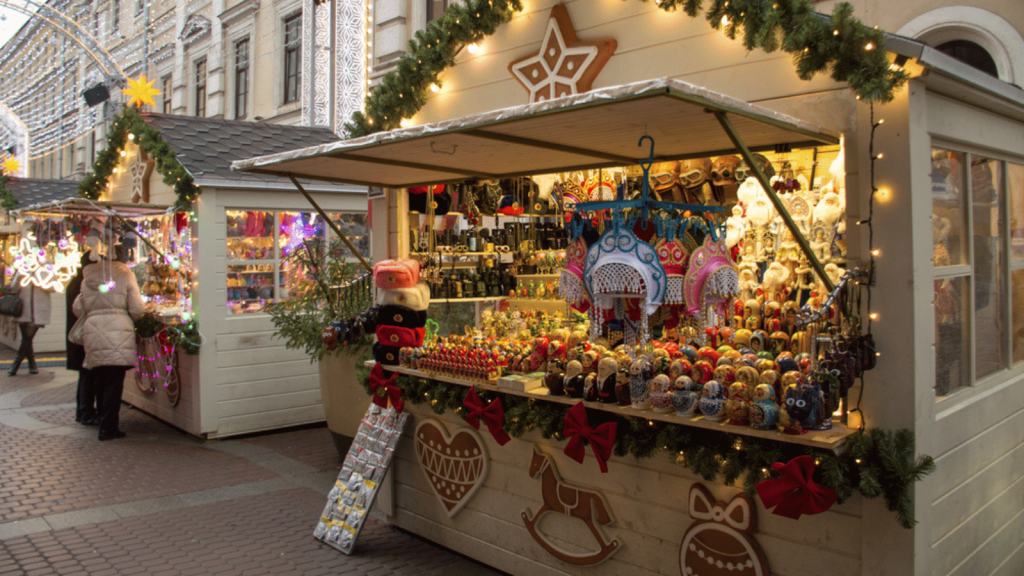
(77, 333)
(11, 303)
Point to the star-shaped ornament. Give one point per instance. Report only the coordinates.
(141, 92)
(11, 166)
(564, 65)
(140, 170)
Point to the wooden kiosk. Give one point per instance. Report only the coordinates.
(945, 116)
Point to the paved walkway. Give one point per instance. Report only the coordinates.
(162, 502)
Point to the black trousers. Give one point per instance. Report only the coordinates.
(110, 381)
(28, 332)
(89, 398)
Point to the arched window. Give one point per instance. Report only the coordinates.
(974, 36)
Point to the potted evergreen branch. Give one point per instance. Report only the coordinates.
(324, 288)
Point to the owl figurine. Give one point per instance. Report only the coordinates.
(712, 401)
(764, 412)
(661, 394)
(801, 405)
(737, 406)
(574, 379)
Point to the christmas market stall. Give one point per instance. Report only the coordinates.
(15, 192)
(715, 337)
(211, 264)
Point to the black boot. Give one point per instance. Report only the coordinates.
(32, 368)
(14, 366)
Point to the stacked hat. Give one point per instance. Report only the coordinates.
(402, 310)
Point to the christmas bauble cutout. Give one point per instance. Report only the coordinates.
(719, 542)
(456, 465)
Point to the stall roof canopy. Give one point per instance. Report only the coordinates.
(29, 191)
(596, 129)
(85, 207)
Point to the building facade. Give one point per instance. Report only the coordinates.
(219, 59)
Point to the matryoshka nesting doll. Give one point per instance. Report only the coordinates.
(719, 542)
(725, 374)
(555, 378)
(748, 376)
(764, 412)
(712, 401)
(607, 370)
(737, 407)
(685, 396)
(590, 387)
(701, 372)
(640, 373)
(574, 379)
(661, 394)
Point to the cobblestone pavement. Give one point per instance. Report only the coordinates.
(162, 502)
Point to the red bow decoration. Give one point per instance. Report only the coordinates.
(796, 493)
(493, 415)
(577, 429)
(391, 390)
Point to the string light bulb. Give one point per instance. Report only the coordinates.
(435, 88)
(876, 252)
(873, 315)
(473, 48)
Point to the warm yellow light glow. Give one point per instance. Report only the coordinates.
(473, 48)
(876, 252)
(869, 46)
(404, 123)
(873, 315)
(725, 20)
(883, 195)
(435, 88)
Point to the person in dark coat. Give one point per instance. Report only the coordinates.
(89, 399)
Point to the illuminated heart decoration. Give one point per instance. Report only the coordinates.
(456, 465)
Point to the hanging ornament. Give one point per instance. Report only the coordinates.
(49, 268)
(141, 92)
(11, 166)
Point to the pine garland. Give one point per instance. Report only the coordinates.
(403, 91)
(130, 121)
(7, 199)
(875, 463)
(854, 53)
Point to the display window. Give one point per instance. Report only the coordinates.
(261, 268)
(977, 254)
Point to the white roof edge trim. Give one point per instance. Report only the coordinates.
(612, 93)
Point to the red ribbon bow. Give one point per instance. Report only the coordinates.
(577, 429)
(796, 493)
(391, 391)
(493, 415)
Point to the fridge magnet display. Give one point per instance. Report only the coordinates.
(364, 468)
(573, 501)
(456, 465)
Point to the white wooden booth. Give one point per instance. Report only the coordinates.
(961, 390)
(244, 379)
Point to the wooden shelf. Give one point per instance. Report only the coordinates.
(828, 439)
(458, 253)
(457, 300)
(528, 276)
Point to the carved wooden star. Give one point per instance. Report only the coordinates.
(564, 65)
(141, 168)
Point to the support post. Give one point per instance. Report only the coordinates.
(331, 224)
(805, 247)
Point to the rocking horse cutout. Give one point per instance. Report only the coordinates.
(590, 507)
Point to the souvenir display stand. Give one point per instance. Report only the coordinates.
(237, 377)
(607, 452)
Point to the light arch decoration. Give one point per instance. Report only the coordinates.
(68, 27)
(989, 30)
(15, 131)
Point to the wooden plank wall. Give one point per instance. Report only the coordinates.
(651, 44)
(50, 339)
(260, 385)
(184, 416)
(975, 499)
(647, 498)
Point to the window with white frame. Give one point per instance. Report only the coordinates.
(259, 244)
(978, 251)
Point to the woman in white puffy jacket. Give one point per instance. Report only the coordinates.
(111, 302)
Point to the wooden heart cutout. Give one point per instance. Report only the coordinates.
(456, 465)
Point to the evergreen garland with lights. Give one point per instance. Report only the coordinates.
(853, 52)
(7, 199)
(131, 121)
(875, 462)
